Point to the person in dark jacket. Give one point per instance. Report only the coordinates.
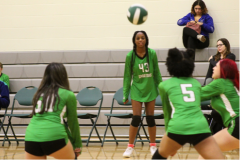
(223, 51)
(4, 95)
(199, 14)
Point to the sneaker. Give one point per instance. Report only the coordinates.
(128, 152)
(201, 38)
(153, 150)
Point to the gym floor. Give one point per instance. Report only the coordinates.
(111, 151)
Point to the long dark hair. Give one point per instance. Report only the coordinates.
(227, 45)
(55, 77)
(180, 63)
(229, 70)
(201, 4)
(135, 47)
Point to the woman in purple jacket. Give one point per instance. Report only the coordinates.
(191, 39)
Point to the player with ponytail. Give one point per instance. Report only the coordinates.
(224, 94)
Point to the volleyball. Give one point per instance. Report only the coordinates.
(137, 14)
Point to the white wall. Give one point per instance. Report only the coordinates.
(102, 24)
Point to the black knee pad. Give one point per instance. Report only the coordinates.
(150, 121)
(156, 155)
(135, 121)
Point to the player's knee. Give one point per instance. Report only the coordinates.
(135, 121)
(157, 155)
(150, 121)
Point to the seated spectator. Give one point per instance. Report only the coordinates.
(4, 95)
(223, 51)
(3, 77)
(198, 15)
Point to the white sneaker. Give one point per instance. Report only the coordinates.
(153, 150)
(201, 38)
(128, 152)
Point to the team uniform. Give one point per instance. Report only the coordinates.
(184, 120)
(225, 100)
(146, 77)
(4, 78)
(46, 133)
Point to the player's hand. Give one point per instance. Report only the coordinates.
(209, 58)
(125, 102)
(200, 23)
(77, 151)
(192, 22)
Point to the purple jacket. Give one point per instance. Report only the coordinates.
(206, 28)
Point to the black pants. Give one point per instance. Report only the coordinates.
(190, 40)
(215, 119)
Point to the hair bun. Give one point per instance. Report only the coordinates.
(174, 54)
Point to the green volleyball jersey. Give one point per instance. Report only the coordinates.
(146, 77)
(224, 98)
(4, 78)
(181, 106)
(50, 126)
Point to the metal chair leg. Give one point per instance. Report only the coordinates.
(14, 133)
(138, 134)
(113, 134)
(5, 135)
(104, 135)
(97, 133)
(90, 132)
(4, 132)
(145, 131)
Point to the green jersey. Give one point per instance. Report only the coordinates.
(224, 98)
(146, 77)
(181, 106)
(49, 126)
(4, 78)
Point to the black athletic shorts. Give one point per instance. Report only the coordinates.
(233, 128)
(192, 139)
(44, 148)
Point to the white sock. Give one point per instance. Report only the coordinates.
(199, 36)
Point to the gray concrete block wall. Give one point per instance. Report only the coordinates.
(103, 69)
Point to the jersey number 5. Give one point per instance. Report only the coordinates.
(142, 67)
(191, 97)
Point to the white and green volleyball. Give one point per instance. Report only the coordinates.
(137, 14)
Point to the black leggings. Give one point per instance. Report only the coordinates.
(190, 40)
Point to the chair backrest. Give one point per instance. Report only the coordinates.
(118, 96)
(205, 103)
(158, 101)
(89, 96)
(24, 96)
